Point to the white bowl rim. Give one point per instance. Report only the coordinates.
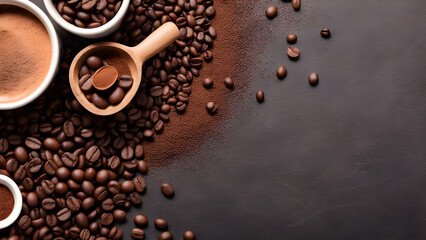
(98, 32)
(17, 197)
(56, 52)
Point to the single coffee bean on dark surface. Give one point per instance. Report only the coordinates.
(165, 236)
(325, 33)
(313, 79)
(281, 72)
(296, 4)
(260, 96)
(271, 12)
(188, 235)
(167, 189)
(291, 38)
(293, 52)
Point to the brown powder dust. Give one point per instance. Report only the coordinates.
(7, 202)
(25, 53)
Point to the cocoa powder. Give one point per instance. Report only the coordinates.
(7, 202)
(25, 53)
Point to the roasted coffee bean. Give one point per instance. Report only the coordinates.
(86, 83)
(125, 81)
(28, 184)
(63, 173)
(119, 215)
(102, 176)
(140, 220)
(116, 96)
(160, 223)
(51, 220)
(127, 153)
(47, 186)
(260, 96)
(313, 79)
(271, 12)
(139, 184)
(51, 144)
(93, 62)
(81, 220)
(296, 4)
(85, 233)
(291, 38)
(127, 186)
(69, 159)
(114, 162)
(119, 199)
(61, 188)
(93, 154)
(114, 187)
(167, 189)
(48, 204)
(21, 154)
(135, 198)
(4, 145)
(77, 175)
(229, 83)
(88, 203)
(293, 52)
(165, 236)
(88, 188)
(188, 235)
(73, 203)
(281, 72)
(211, 107)
(99, 101)
(208, 83)
(63, 214)
(107, 204)
(30, 142)
(107, 219)
(325, 33)
(68, 129)
(24, 222)
(34, 165)
(138, 234)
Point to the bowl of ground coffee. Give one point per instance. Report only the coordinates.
(29, 53)
(11, 201)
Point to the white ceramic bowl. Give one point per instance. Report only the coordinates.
(17, 197)
(102, 31)
(56, 52)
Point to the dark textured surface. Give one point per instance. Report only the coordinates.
(342, 160)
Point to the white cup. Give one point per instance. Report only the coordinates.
(17, 197)
(56, 52)
(99, 32)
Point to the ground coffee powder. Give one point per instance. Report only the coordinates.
(7, 202)
(26, 53)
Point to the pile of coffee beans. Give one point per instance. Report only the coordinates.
(80, 173)
(101, 83)
(87, 13)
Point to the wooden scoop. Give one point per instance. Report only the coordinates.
(134, 56)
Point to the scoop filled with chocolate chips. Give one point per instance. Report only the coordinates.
(104, 77)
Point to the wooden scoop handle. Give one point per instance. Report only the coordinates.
(157, 41)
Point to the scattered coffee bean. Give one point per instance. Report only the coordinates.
(207, 82)
(138, 234)
(291, 38)
(119, 215)
(271, 12)
(313, 79)
(296, 4)
(165, 236)
(281, 72)
(188, 235)
(293, 52)
(325, 33)
(260, 96)
(229, 83)
(160, 223)
(211, 107)
(140, 220)
(167, 189)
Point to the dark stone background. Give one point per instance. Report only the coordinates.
(342, 160)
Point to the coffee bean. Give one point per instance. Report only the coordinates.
(139, 184)
(160, 223)
(119, 199)
(229, 83)
(4, 145)
(34, 165)
(47, 186)
(86, 83)
(293, 52)
(100, 193)
(296, 4)
(207, 82)
(188, 235)
(325, 33)
(81, 220)
(313, 79)
(85, 233)
(73, 203)
(69, 159)
(99, 101)
(127, 186)
(93, 62)
(50, 167)
(63, 214)
(167, 189)
(138, 234)
(281, 72)
(260, 96)
(271, 12)
(119, 215)
(69, 129)
(116, 96)
(30, 142)
(127, 153)
(125, 81)
(211, 107)
(102, 176)
(142, 167)
(48, 204)
(113, 187)
(165, 236)
(24, 222)
(51, 144)
(291, 38)
(51, 220)
(107, 219)
(93, 154)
